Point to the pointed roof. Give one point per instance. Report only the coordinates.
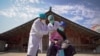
(73, 23)
(25, 28)
(50, 9)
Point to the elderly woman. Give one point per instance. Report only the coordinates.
(66, 48)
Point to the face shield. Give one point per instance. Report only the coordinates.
(51, 19)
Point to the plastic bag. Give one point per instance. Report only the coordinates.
(61, 53)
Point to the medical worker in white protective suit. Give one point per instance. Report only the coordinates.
(39, 28)
(52, 26)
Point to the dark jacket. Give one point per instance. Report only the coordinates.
(70, 51)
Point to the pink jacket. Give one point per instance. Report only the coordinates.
(55, 35)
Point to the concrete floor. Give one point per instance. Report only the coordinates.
(40, 54)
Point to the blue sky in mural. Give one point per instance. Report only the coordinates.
(16, 12)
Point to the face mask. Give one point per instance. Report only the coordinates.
(52, 21)
(43, 21)
(61, 28)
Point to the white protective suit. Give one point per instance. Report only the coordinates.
(51, 28)
(40, 46)
(37, 31)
